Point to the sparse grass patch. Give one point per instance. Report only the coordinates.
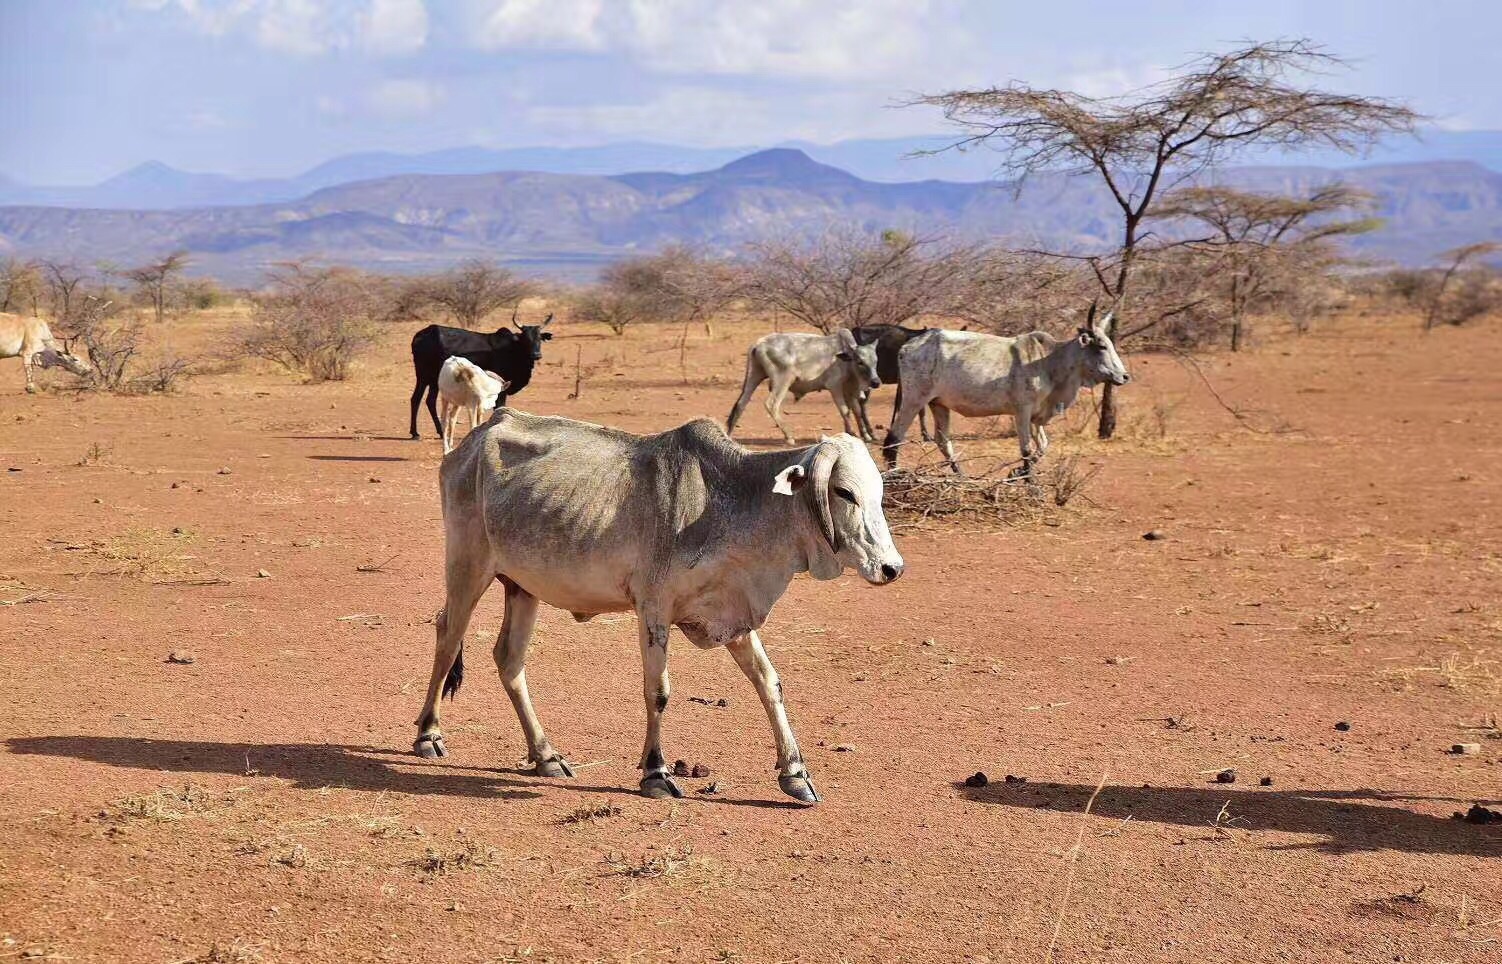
(590, 814)
(469, 856)
(164, 804)
(669, 863)
(150, 555)
(1469, 672)
(95, 454)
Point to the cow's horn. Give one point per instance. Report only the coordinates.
(825, 456)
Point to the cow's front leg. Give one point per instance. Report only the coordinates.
(656, 781)
(792, 775)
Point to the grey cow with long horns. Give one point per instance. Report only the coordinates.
(686, 528)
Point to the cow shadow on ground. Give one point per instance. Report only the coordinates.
(1349, 821)
(346, 438)
(314, 766)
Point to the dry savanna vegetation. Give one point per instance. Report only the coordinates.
(1220, 680)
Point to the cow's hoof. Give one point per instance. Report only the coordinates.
(799, 787)
(660, 788)
(554, 767)
(430, 746)
(414, 437)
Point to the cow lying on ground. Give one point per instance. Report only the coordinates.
(888, 340)
(800, 364)
(464, 385)
(1032, 377)
(510, 354)
(30, 340)
(686, 528)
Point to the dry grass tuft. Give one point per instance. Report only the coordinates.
(591, 814)
(151, 555)
(469, 856)
(1471, 672)
(666, 864)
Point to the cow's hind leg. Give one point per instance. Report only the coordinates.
(416, 401)
(433, 407)
(511, 661)
(792, 775)
(28, 366)
(656, 779)
(467, 577)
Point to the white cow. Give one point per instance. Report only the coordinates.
(464, 385)
(802, 363)
(686, 528)
(1032, 377)
(30, 340)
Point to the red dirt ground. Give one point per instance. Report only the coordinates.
(262, 802)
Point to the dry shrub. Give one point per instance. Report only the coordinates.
(676, 285)
(849, 277)
(930, 493)
(312, 320)
(467, 294)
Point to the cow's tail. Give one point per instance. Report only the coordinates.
(455, 678)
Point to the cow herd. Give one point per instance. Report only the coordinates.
(686, 528)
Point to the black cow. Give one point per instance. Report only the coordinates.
(889, 340)
(510, 354)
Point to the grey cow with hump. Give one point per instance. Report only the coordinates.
(686, 528)
(1032, 377)
(801, 363)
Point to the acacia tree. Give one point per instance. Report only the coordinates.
(154, 280)
(62, 280)
(1143, 143)
(1265, 242)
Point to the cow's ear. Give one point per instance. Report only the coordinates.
(843, 356)
(790, 479)
(547, 336)
(1086, 337)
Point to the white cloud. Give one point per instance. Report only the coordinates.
(307, 27)
(405, 97)
(715, 117)
(853, 40)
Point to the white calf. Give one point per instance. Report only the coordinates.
(463, 384)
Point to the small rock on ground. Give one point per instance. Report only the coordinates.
(180, 656)
(1466, 749)
(1153, 535)
(1343, 726)
(1266, 781)
(977, 779)
(1226, 776)
(1480, 814)
(700, 770)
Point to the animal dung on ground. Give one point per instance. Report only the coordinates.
(1015, 779)
(1227, 775)
(1466, 749)
(977, 779)
(720, 703)
(699, 771)
(844, 748)
(1154, 535)
(180, 656)
(1266, 781)
(1479, 814)
(680, 768)
(1343, 726)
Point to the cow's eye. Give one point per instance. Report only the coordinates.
(845, 494)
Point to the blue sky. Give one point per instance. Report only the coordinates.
(271, 87)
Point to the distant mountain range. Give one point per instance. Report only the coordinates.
(568, 224)
(155, 185)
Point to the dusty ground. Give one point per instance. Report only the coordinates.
(261, 803)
